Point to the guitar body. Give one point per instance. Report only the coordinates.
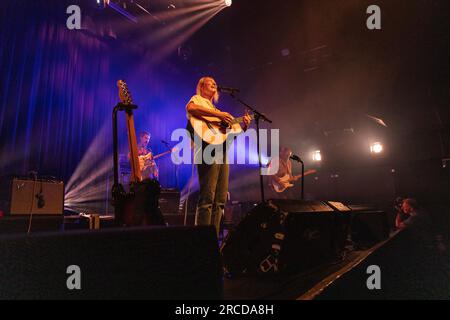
(282, 185)
(285, 182)
(140, 206)
(146, 164)
(212, 130)
(148, 160)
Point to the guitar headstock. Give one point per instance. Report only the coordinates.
(124, 93)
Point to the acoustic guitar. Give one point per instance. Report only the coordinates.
(213, 130)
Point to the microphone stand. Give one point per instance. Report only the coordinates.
(303, 176)
(176, 166)
(258, 116)
(303, 180)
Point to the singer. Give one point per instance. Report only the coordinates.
(213, 178)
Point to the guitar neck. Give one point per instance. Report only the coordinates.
(311, 171)
(132, 143)
(162, 154)
(241, 119)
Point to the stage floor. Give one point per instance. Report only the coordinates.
(301, 286)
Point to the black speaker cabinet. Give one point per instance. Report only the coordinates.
(306, 233)
(41, 197)
(136, 263)
(369, 226)
(19, 224)
(309, 240)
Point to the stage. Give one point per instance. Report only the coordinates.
(224, 150)
(178, 262)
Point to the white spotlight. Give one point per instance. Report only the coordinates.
(317, 156)
(102, 3)
(228, 2)
(376, 147)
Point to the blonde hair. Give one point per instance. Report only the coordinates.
(200, 84)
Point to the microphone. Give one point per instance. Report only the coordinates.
(165, 142)
(295, 158)
(227, 89)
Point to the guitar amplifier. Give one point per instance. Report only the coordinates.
(47, 198)
(169, 201)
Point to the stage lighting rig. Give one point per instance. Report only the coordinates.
(101, 4)
(376, 148)
(317, 156)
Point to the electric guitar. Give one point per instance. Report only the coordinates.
(148, 160)
(213, 130)
(286, 182)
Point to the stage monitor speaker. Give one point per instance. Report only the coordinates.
(136, 263)
(47, 198)
(369, 226)
(284, 236)
(339, 206)
(296, 206)
(19, 224)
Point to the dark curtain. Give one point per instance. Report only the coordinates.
(57, 92)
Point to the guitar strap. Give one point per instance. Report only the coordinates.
(286, 166)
